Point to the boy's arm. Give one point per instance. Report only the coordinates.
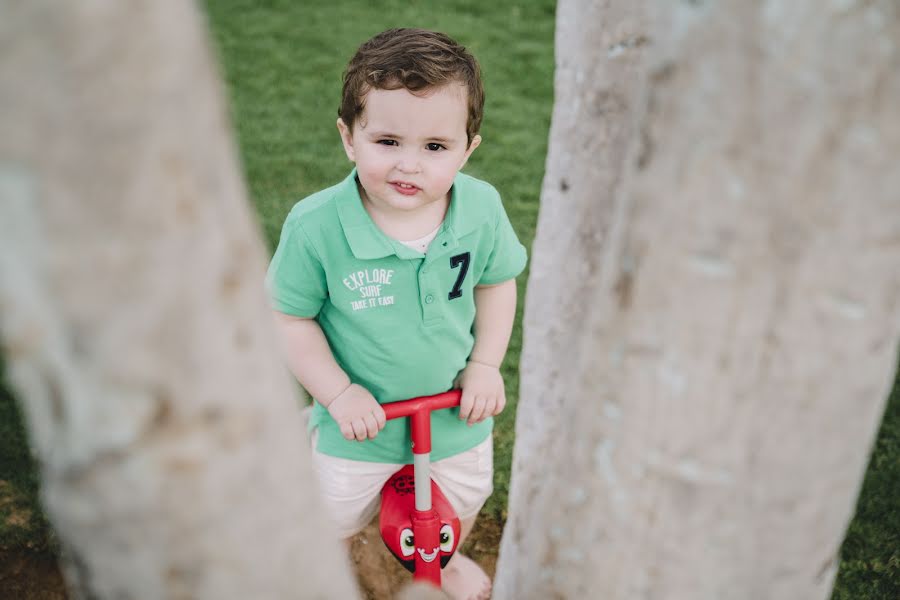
(481, 383)
(310, 360)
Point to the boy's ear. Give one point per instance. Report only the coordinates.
(476, 141)
(346, 139)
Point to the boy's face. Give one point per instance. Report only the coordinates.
(408, 148)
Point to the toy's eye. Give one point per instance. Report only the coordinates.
(447, 538)
(407, 542)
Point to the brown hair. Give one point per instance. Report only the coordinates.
(415, 59)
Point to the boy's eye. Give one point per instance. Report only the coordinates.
(434, 146)
(388, 142)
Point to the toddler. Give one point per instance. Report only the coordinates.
(399, 282)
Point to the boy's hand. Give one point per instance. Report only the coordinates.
(483, 392)
(357, 413)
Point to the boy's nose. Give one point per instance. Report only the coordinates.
(409, 162)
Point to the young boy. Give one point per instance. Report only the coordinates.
(399, 282)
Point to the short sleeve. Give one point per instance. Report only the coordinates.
(296, 279)
(508, 256)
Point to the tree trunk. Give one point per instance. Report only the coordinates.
(712, 316)
(135, 325)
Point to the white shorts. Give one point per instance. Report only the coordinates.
(352, 488)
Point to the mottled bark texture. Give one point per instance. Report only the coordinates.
(135, 325)
(713, 312)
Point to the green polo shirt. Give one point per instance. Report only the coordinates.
(398, 322)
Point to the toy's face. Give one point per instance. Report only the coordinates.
(406, 547)
(397, 505)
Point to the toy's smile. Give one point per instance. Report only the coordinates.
(428, 557)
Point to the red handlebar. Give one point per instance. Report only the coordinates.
(419, 410)
(406, 408)
(426, 523)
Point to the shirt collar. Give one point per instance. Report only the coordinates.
(368, 242)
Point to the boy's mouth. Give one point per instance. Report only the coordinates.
(407, 189)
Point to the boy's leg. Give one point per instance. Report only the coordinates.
(467, 481)
(351, 489)
(463, 578)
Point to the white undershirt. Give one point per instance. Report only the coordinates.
(421, 244)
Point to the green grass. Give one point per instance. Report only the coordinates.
(22, 522)
(870, 556)
(282, 62)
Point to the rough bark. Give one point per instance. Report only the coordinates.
(713, 312)
(135, 325)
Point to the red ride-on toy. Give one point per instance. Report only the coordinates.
(418, 524)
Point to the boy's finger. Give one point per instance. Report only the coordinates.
(477, 410)
(371, 426)
(490, 405)
(501, 404)
(380, 418)
(347, 431)
(465, 405)
(359, 430)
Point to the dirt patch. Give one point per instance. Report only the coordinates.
(30, 576)
(11, 504)
(380, 576)
(28, 570)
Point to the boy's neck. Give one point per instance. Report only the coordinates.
(407, 225)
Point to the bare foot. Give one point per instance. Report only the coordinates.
(463, 579)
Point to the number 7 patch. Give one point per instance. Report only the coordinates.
(461, 261)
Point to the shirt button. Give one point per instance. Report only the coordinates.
(429, 299)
